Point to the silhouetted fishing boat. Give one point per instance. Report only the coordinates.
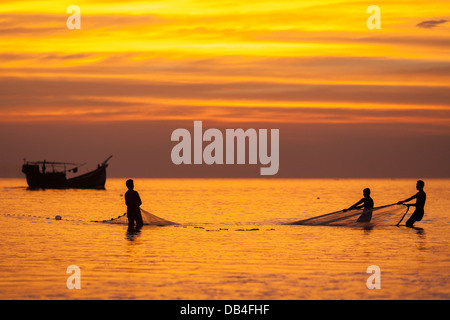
(38, 177)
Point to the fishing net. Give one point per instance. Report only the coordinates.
(387, 215)
(147, 218)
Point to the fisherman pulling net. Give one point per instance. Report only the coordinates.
(387, 215)
(147, 218)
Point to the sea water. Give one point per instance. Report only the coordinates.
(232, 242)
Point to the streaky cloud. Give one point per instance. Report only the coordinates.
(429, 24)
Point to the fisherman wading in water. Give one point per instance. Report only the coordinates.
(365, 203)
(133, 202)
(420, 197)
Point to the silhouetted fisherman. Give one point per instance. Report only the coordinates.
(365, 203)
(420, 197)
(133, 202)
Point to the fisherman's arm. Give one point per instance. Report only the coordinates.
(355, 206)
(126, 200)
(409, 199)
(138, 199)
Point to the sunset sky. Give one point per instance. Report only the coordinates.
(349, 101)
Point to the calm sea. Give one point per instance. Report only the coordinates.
(231, 242)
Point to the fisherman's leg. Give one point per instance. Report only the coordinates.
(410, 222)
(365, 217)
(130, 223)
(139, 222)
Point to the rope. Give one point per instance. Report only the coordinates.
(403, 216)
(41, 217)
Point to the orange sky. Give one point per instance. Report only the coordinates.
(231, 62)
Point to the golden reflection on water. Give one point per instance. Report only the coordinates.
(210, 255)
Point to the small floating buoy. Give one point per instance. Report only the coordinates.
(58, 218)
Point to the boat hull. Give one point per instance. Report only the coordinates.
(95, 179)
